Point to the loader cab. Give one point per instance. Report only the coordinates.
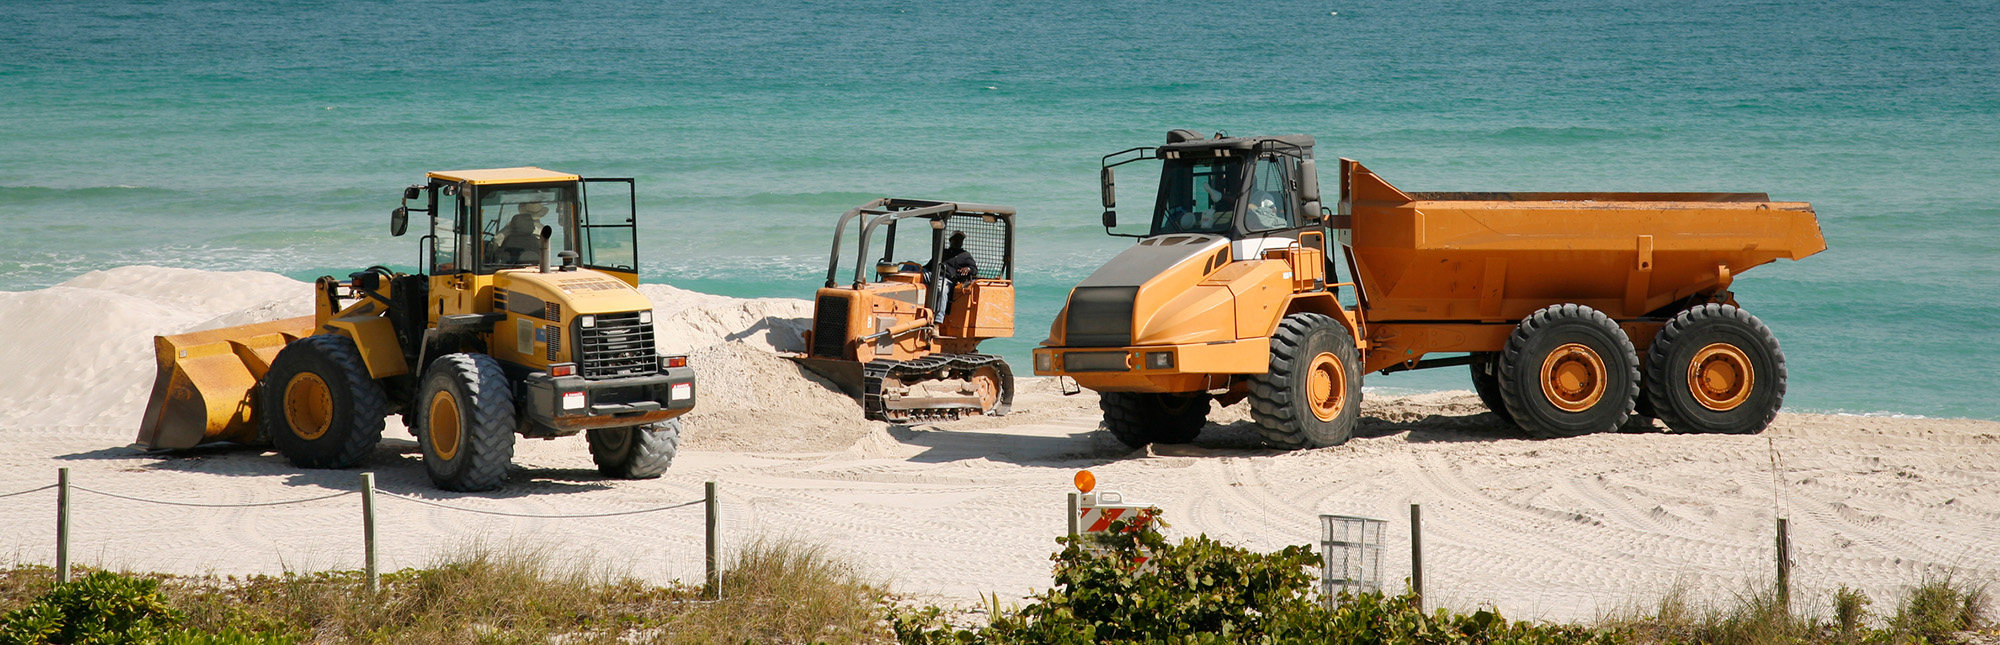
(486, 221)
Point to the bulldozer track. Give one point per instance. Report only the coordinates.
(926, 368)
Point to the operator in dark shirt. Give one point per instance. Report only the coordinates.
(959, 268)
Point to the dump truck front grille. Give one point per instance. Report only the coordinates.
(1099, 317)
(618, 345)
(830, 327)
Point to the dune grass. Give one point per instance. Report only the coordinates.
(1936, 610)
(777, 591)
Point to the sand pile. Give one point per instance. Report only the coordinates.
(81, 353)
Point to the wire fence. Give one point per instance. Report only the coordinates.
(367, 491)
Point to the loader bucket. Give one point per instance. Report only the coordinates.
(204, 391)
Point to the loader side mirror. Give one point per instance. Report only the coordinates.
(1308, 183)
(1110, 188)
(1110, 219)
(399, 221)
(413, 192)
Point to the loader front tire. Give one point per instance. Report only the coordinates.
(642, 452)
(1137, 418)
(465, 416)
(1311, 395)
(1486, 382)
(1716, 369)
(319, 408)
(1569, 371)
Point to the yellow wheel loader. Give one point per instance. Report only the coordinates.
(902, 335)
(1575, 311)
(523, 319)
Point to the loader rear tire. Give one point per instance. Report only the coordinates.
(319, 408)
(465, 412)
(642, 452)
(1486, 382)
(1311, 396)
(1137, 419)
(1569, 371)
(1716, 369)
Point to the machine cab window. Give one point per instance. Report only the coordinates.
(1198, 196)
(1268, 205)
(511, 219)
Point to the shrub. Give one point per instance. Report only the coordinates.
(104, 608)
(1131, 585)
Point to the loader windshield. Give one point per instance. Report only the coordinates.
(511, 220)
(1198, 196)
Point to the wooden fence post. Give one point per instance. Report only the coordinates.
(1417, 554)
(714, 505)
(1785, 563)
(62, 525)
(1074, 509)
(368, 530)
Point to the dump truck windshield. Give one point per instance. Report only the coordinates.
(1197, 196)
(511, 220)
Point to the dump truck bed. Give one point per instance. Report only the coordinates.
(1499, 256)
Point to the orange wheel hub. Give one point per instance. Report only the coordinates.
(1720, 377)
(1326, 386)
(444, 428)
(308, 406)
(1573, 377)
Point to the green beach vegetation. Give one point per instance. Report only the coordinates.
(1131, 585)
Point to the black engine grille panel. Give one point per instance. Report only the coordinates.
(618, 345)
(830, 326)
(1100, 317)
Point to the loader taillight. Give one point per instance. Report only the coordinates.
(562, 369)
(674, 361)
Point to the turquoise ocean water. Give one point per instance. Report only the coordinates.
(274, 135)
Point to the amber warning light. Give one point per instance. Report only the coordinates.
(1085, 481)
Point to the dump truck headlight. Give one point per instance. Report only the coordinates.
(1044, 361)
(1159, 360)
(587, 322)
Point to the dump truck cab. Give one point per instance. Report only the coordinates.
(522, 318)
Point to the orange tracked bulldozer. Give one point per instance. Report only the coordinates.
(902, 336)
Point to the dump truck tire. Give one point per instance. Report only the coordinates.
(1568, 371)
(1311, 396)
(1486, 382)
(465, 412)
(1138, 419)
(1716, 369)
(642, 452)
(319, 408)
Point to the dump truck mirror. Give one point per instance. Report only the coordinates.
(1313, 214)
(1110, 219)
(1110, 189)
(1308, 182)
(413, 192)
(399, 221)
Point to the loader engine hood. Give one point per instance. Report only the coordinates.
(582, 316)
(1140, 296)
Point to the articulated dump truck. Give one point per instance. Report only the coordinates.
(1574, 311)
(511, 326)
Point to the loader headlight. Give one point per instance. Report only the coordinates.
(646, 316)
(1159, 360)
(1045, 361)
(586, 322)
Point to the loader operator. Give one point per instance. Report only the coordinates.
(520, 239)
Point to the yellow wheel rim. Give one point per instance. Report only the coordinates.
(986, 385)
(308, 406)
(1326, 386)
(444, 427)
(1720, 377)
(1573, 377)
